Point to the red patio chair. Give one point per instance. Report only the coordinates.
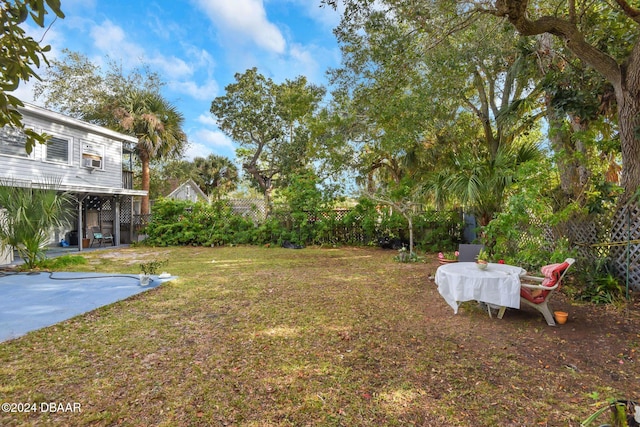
(538, 295)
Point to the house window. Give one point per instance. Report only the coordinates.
(13, 142)
(92, 156)
(58, 149)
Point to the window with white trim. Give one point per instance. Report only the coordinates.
(58, 150)
(13, 142)
(92, 156)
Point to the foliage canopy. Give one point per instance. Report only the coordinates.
(19, 55)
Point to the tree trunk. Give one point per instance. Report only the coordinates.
(268, 199)
(571, 155)
(144, 205)
(569, 165)
(410, 221)
(625, 78)
(629, 122)
(561, 145)
(264, 183)
(582, 171)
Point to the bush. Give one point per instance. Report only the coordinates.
(438, 230)
(180, 223)
(520, 235)
(600, 285)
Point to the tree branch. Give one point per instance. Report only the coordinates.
(516, 12)
(628, 10)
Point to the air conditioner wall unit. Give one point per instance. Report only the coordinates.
(92, 163)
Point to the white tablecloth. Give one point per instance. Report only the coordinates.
(499, 284)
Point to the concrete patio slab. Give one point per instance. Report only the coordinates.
(32, 301)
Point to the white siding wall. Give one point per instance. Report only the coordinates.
(36, 168)
(186, 193)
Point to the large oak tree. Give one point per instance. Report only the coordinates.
(585, 29)
(460, 112)
(271, 124)
(621, 67)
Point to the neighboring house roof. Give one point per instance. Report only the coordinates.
(188, 190)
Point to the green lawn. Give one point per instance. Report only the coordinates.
(258, 336)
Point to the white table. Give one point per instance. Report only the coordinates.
(498, 285)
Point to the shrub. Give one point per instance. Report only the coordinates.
(600, 285)
(179, 223)
(520, 235)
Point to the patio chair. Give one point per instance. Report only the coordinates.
(468, 253)
(107, 238)
(97, 236)
(100, 237)
(538, 295)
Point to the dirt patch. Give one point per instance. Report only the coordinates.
(131, 256)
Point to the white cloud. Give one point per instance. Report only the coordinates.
(111, 39)
(207, 120)
(325, 15)
(173, 67)
(196, 150)
(306, 60)
(201, 57)
(244, 19)
(215, 140)
(201, 85)
(204, 92)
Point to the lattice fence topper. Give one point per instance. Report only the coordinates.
(253, 208)
(587, 234)
(614, 235)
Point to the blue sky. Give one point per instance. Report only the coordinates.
(197, 46)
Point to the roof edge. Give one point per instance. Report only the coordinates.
(61, 118)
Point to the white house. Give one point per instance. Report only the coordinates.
(92, 163)
(188, 190)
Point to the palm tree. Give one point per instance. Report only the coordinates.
(158, 126)
(479, 180)
(29, 214)
(216, 175)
